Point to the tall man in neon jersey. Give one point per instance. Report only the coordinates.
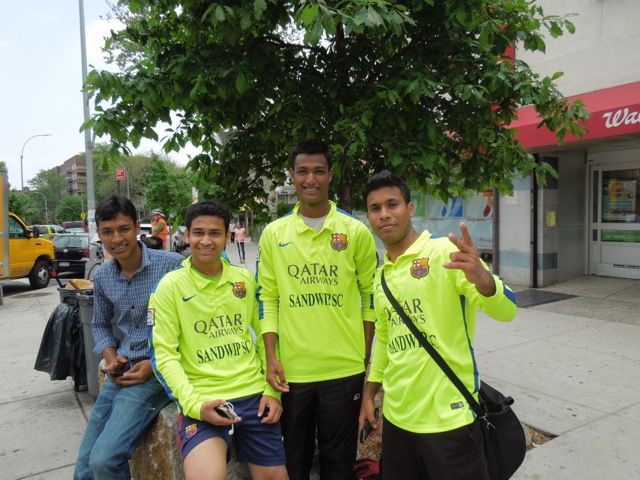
(315, 275)
(429, 431)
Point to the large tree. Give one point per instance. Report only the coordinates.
(167, 188)
(49, 187)
(22, 204)
(420, 87)
(71, 207)
(107, 161)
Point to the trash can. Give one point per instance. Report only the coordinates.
(67, 295)
(85, 299)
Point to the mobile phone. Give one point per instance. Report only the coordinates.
(226, 410)
(366, 428)
(112, 373)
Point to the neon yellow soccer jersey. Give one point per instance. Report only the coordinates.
(442, 304)
(315, 292)
(202, 347)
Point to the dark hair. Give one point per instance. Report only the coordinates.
(310, 147)
(111, 206)
(208, 208)
(152, 242)
(386, 179)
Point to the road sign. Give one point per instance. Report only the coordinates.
(120, 174)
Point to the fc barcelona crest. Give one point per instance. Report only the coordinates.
(191, 430)
(239, 289)
(420, 267)
(339, 241)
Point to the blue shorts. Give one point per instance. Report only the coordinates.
(255, 442)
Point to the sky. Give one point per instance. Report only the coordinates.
(41, 81)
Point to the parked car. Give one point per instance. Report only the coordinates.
(47, 231)
(75, 224)
(74, 230)
(178, 240)
(72, 253)
(29, 255)
(145, 229)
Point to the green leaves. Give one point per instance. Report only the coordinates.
(242, 84)
(259, 7)
(418, 87)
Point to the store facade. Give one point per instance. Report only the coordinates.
(587, 222)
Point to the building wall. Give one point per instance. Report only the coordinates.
(602, 53)
(572, 206)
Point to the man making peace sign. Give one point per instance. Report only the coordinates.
(429, 432)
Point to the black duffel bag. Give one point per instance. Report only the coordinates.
(504, 441)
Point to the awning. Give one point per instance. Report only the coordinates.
(614, 111)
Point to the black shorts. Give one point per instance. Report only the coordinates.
(454, 455)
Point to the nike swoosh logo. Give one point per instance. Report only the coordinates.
(283, 244)
(186, 299)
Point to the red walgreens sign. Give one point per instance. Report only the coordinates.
(120, 174)
(614, 111)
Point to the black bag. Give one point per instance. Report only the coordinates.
(61, 352)
(504, 441)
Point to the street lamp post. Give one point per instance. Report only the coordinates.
(46, 209)
(22, 154)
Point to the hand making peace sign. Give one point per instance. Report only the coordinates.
(467, 260)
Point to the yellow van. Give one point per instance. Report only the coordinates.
(29, 255)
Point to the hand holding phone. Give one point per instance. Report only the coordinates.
(367, 428)
(112, 373)
(226, 410)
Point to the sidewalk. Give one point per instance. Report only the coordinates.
(571, 376)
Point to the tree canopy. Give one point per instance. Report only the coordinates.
(21, 203)
(71, 207)
(48, 188)
(422, 88)
(168, 189)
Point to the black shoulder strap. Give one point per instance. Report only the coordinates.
(444, 366)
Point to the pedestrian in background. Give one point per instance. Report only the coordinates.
(240, 235)
(159, 226)
(232, 231)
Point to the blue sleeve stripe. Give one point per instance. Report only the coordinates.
(152, 358)
(258, 290)
(509, 293)
(344, 212)
(476, 375)
(260, 304)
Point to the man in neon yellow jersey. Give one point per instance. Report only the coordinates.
(204, 354)
(429, 431)
(315, 276)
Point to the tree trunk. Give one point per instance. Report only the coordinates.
(345, 202)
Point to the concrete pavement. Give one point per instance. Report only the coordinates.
(572, 376)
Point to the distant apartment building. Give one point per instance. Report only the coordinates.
(74, 172)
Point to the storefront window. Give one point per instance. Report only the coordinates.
(621, 196)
